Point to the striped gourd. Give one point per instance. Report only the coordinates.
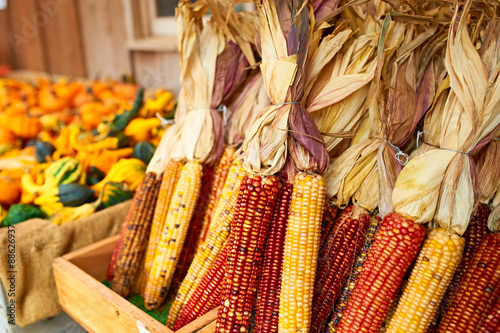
(335, 262)
(478, 290)
(211, 247)
(168, 181)
(267, 308)
(492, 323)
(396, 245)
(174, 232)
(207, 295)
(474, 234)
(220, 174)
(301, 251)
(353, 276)
(436, 264)
(135, 237)
(329, 218)
(254, 210)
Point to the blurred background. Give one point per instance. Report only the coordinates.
(93, 38)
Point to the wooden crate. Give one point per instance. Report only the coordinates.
(97, 308)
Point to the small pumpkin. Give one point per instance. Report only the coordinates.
(7, 137)
(11, 191)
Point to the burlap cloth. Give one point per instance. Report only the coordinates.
(38, 242)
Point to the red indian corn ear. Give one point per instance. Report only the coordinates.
(135, 237)
(338, 257)
(207, 295)
(478, 290)
(254, 210)
(492, 323)
(396, 245)
(353, 276)
(267, 309)
(329, 218)
(301, 251)
(474, 234)
(116, 251)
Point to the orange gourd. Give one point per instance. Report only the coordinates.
(24, 127)
(49, 101)
(7, 136)
(11, 191)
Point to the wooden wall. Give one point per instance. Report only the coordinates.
(104, 38)
(42, 35)
(84, 38)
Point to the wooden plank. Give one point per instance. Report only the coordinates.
(26, 37)
(157, 69)
(205, 323)
(62, 38)
(104, 37)
(94, 259)
(96, 307)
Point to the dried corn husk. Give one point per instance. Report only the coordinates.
(245, 108)
(366, 172)
(212, 70)
(441, 184)
(285, 125)
(488, 175)
(238, 27)
(494, 219)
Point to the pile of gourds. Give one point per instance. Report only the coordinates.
(70, 147)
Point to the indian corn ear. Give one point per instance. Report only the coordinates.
(220, 174)
(168, 181)
(436, 264)
(396, 245)
(266, 319)
(474, 234)
(329, 218)
(211, 247)
(193, 234)
(254, 211)
(492, 323)
(207, 295)
(356, 270)
(478, 290)
(336, 260)
(134, 239)
(301, 250)
(174, 232)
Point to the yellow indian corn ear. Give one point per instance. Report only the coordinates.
(212, 245)
(219, 178)
(301, 250)
(436, 264)
(167, 187)
(174, 232)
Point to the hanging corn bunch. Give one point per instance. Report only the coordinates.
(199, 141)
(469, 122)
(241, 110)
